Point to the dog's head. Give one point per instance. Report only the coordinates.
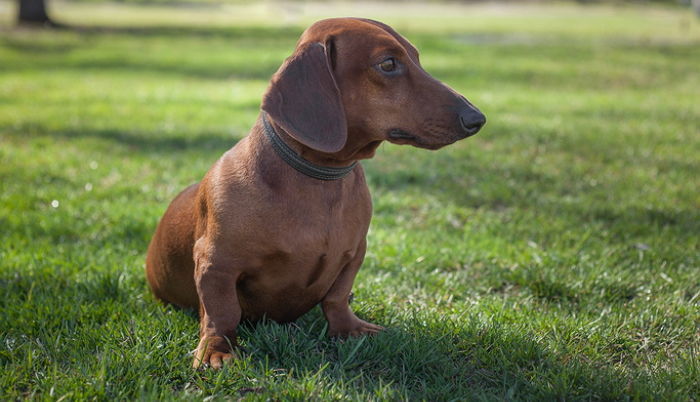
(353, 83)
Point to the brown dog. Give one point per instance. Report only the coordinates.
(278, 224)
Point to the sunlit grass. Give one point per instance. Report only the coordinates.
(554, 255)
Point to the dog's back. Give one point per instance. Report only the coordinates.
(169, 262)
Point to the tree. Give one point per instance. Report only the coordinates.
(33, 12)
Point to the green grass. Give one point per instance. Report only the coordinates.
(556, 255)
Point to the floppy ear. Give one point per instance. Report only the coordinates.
(304, 99)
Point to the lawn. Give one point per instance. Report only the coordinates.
(556, 255)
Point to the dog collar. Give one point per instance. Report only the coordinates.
(297, 162)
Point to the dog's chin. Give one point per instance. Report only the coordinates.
(401, 137)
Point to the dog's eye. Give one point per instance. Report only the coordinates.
(388, 65)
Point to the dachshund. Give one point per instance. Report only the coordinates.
(279, 223)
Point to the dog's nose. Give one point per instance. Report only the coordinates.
(471, 120)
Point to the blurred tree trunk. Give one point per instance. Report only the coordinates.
(33, 12)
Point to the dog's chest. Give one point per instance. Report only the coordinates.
(305, 248)
(289, 283)
(309, 248)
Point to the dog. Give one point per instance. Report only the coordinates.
(279, 223)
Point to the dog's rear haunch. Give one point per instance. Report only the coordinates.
(278, 224)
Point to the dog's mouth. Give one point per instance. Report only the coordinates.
(401, 137)
(399, 134)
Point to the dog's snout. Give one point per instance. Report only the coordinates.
(471, 120)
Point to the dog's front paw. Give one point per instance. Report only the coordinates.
(212, 352)
(352, 327)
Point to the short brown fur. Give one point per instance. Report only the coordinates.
(257, 238)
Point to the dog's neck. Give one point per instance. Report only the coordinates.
(354, 150)
(296, 161)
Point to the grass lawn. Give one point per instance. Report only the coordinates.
(556, 255)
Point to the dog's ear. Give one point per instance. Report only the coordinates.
(304, 99)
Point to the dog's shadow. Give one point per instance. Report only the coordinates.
(420, 356)
(417, 357)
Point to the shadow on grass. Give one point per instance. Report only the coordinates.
(54, 53)
(134, 141)
(249, 41)
(500, 197)
(418, 357)
(536, 191)
(478, 183)
(258, 33)
(431, 359)
(201, 70)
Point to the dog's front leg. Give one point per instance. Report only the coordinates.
(219, 311)
(342, 322)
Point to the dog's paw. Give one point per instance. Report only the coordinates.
(214, 360)
(212, 352)
(353, 327)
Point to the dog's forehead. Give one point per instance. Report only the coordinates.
(369, 32)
